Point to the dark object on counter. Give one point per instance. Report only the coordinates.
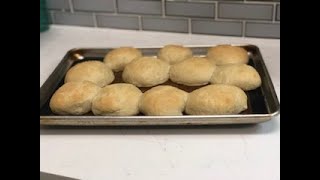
(47, 176)
(44, 20)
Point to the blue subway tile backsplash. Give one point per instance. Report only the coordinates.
(248, 18)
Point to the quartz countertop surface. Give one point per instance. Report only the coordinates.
(248, 152)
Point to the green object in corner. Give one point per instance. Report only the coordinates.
(44, 19)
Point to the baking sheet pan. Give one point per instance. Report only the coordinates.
(263, 103)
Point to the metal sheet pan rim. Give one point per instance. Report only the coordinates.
(163, 117)
(151, 122)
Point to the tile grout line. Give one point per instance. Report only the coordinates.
(95, 24)
(274, 13)
(163, 6)
(115, 4)
(197, 1)
(113, 14)
(252, 2)
(261, 22)
(189, 26)
(52, 17)
(216, 10)
(219, 20)
(241, 20)
(71, 6)
(140, 23)
(244, 23)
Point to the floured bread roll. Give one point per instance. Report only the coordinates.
(118, 58)
(163, 101)
(174, 53)
(195, 71)
(216, 99)
(240, 75)
(227, 54)
(93, 71)
(74, 98)
(146, 72)
(117, 100)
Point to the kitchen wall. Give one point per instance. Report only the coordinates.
(247, 18)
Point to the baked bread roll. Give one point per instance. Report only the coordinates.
(227, 54)
(74, 98)
(240, 75)
(163, 101)
(146, 72)
(117, 100)
(216, 99)
(93, 71)
(195, 71)
(174, 53)
(118, 58)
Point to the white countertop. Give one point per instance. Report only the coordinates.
(222, 153)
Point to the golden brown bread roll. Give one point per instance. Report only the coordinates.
(117, 100)
(146, 72)
(118, 58)
(227, 54)
(93, 71)
(216, 99)
(163, 101)
(240, 75)
(194, 71)
(74, 98)
(174, 53)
